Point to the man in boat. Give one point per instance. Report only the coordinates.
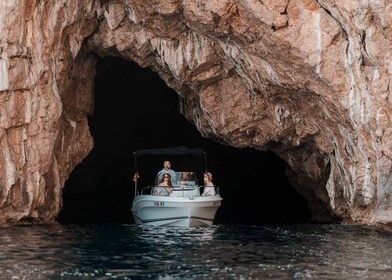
(167, 169)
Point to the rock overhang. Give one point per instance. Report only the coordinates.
(308, 80)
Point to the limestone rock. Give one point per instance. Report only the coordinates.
(307, 79)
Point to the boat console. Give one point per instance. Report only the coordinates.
(186, 179)
(186, 185)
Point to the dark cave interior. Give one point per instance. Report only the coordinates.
(134, 109)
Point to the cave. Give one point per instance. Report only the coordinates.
(135, 109)
(307, 81)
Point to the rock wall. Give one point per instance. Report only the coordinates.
(45, 97)
(307, 79)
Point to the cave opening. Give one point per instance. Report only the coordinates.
(134, 109)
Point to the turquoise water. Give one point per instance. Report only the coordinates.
(219, 252)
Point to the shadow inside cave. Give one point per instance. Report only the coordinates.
(134, 109)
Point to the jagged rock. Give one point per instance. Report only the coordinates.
(309, 80)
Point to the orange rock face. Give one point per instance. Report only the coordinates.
(309, 80)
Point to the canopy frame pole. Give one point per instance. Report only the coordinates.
(136, 176)
(205, 161)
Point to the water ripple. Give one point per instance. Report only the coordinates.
(218, 252)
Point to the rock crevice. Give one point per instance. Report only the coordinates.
(307, 79)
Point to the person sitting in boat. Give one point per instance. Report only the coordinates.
(167, 169)
(209, 189)
(164, 188)
(184, 179)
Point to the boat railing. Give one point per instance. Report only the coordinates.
(179, 191)
(146, 190)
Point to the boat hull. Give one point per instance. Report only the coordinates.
(175, 211)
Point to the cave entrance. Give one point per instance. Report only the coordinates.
(132, 102)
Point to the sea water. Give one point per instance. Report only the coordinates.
(305, 251)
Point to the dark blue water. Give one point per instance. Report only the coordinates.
(219, 252)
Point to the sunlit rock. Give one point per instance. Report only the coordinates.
(309, 80)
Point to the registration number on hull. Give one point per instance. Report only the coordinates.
(159, 203)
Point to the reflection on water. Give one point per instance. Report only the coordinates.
(218, 252)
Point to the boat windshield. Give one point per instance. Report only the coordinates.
(184, 179)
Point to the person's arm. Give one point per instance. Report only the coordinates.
(169, 190)
(210, 191)
(156, 191)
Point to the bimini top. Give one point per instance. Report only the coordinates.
(171, 151)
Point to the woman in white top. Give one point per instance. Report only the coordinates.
(164, 187)
(209, 189)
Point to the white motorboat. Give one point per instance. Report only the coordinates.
(185, 206)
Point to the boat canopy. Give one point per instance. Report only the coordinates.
(181, 150)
